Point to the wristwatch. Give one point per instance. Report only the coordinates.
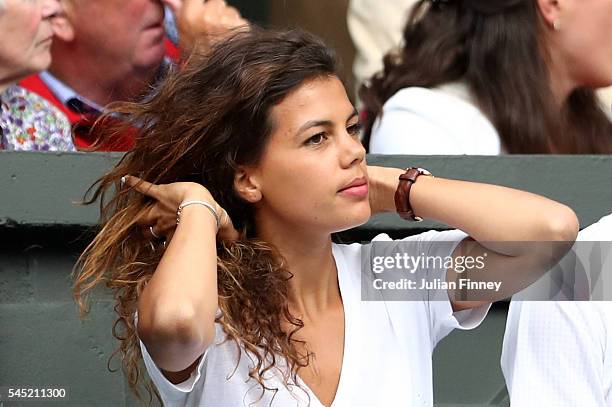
(402, 193)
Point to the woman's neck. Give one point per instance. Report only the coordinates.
(561, 81)
(313, 288)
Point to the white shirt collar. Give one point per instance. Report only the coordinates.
(64, 92)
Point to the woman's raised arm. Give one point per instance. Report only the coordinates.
(176, 309)
(504, 222)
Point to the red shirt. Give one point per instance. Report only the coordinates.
(82, 122)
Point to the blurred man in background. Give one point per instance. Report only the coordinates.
(116, 50)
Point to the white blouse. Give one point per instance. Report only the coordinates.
(438, 121)
(387, 349)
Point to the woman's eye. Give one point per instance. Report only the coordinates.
(316, 139)
(355, 129)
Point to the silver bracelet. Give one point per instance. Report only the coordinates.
(203, 203)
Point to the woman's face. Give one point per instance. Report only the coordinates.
(585, 38)
(312, 155)
(25, 43)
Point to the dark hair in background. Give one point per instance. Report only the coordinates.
(496, 47)
(208, 118)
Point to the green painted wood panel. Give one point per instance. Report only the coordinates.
(42, 341)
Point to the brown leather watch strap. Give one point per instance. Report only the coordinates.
(402, 193)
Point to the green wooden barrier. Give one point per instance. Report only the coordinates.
(43, 343)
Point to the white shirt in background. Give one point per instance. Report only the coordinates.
(438, 121)
(387, 351)
(376, 28)
(559, 353)
(606, 98)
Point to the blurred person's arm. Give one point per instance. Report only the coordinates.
(554, 354)
(202, 23)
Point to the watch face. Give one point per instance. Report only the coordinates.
(423, 171)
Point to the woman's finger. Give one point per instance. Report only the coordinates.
(167, 223)
(153, 232)
(159, 230)
(163, 222)
(227, 231)
(149, 216)
(142, 186)
(229, 235)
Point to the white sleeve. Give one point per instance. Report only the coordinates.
(402, 130)
(598, 231)
(553, 354)
(441, 316)
(171, 394)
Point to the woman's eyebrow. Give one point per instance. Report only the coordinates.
(353, 114)
(315, 123)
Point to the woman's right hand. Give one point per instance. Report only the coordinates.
(161, 215)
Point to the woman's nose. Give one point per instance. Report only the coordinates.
(354, 150)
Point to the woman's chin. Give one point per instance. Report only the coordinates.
(355, 220)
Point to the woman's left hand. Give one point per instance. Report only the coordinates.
(383, 182)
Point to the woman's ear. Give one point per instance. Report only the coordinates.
(62, 28)
(551, 12)
(247, 186)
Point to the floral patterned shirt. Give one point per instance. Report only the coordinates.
(30, 123)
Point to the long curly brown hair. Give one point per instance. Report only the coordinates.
(496, 48)
(207, 118)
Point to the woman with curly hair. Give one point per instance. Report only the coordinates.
(488, 77)
(219, 243)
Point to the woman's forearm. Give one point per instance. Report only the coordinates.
(493, 213)
(486, 212)
(179, 303)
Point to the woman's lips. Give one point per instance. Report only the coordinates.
(359, 191)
